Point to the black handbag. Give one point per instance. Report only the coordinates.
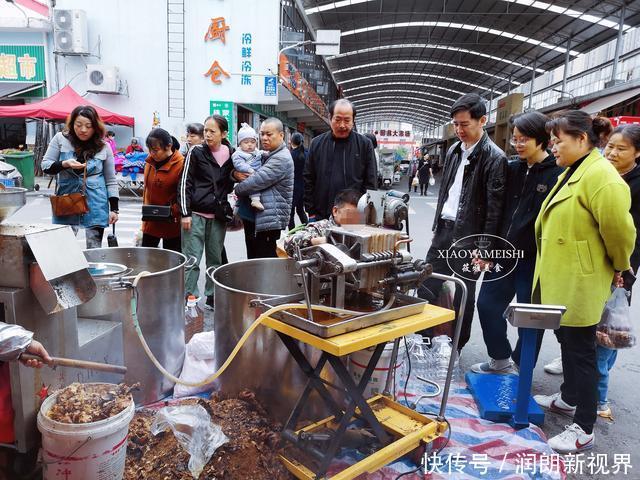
(157, 213)
(223, 211)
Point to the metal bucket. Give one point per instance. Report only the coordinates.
(263, 364)
(160, 312)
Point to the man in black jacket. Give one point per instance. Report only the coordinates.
(338, 160)
(470, 202)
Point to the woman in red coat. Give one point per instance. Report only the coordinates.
(162, 174)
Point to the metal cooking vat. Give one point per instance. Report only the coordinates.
(12, 199)
(263, 364)
(160, 312)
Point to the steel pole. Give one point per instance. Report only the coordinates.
(565, 74)
(616, 58)
(533, 79)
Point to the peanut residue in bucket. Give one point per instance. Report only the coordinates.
(81, 403)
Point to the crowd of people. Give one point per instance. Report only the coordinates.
(570, 203)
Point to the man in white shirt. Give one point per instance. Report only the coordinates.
(470, 202)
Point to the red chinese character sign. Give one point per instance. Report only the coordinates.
(232, 52)
(217, 30)
(215, 71)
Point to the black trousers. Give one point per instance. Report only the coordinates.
(423, 188)
(167, 243)
(260, 244)
(298, 207)
(579, 367)
(431, 287)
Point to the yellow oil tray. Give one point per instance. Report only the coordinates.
(408, 426)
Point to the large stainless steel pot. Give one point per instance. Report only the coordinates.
(160, 312)
(12, 199)
(263, 364)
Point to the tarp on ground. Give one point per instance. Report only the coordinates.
(58, 107)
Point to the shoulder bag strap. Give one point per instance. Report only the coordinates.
(84, 178)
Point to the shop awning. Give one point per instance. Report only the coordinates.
(610, 100)
(299, 111)
(58, 107)
(15, 89)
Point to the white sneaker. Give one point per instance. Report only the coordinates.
(555, 404)
(572, 440)
(554, 367)
(495, 366)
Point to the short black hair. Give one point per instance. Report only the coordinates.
(111, 133)
(195, 129)
(373, 139)
(533, 125)
(297, 139)
(275, 122)
(347, 197)
(472, 103)
(341, 101)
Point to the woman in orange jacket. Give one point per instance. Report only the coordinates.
(162, 174)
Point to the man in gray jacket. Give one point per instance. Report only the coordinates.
(274, 182)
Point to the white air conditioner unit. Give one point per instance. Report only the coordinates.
(103, 79)
(70, 32)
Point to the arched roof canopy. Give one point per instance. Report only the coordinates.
(442, 49)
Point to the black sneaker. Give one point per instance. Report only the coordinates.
(209, 303)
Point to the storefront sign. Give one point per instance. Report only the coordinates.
(233, 47)
(293, 80)
(20, 63)
(394, 137)
(226, 110)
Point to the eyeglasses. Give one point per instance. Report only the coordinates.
(514, 142)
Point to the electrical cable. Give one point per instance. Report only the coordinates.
(406, 381)
(414, 406)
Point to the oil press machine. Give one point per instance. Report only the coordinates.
(355, 297)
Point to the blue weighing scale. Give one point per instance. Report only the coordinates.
(507, 398)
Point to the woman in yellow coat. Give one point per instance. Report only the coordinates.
(584, 234)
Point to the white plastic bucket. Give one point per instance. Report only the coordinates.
(358, 363)
(95, 450)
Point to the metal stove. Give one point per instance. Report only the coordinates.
(43, 278)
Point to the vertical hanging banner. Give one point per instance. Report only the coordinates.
(232, 50)
(225, 109)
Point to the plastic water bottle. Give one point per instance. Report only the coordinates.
(442, 351)
(193, 318)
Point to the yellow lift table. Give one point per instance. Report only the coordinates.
(398, 429)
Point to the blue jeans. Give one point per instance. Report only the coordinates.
(606, 360)
(495, 296)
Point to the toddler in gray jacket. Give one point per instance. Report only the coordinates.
(247, 158)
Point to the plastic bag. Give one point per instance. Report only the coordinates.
(137, 238)
(199, 363)
(194, 431)
(615, 329)
(415, 182)
(432, 181)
